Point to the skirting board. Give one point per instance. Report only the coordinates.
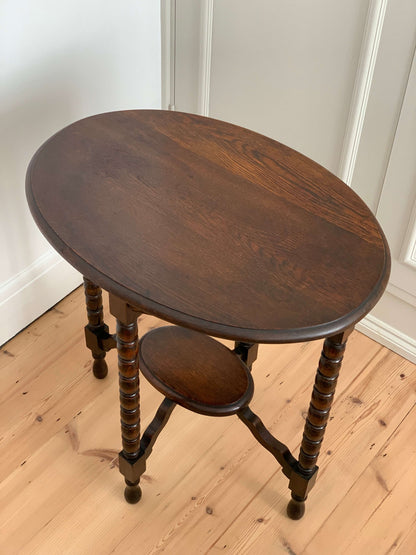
(30, 293)
(389, 337)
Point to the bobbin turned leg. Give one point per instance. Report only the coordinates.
(304, 475)
(132, 461)
(127, 348)
(97, 338)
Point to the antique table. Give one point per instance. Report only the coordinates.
(222, 232)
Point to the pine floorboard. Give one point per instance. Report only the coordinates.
(209, 486)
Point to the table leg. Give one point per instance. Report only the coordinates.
(97, 337)
(247, 352)
(132, 460)
(132, 464)
(316, 421)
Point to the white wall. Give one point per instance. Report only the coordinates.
(284, 68)
(295, 62)
(387, 88)
(60, 61)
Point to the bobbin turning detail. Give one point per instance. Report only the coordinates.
(97, 336)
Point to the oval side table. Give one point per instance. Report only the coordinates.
(222, 232)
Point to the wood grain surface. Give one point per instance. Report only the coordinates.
(195, 371)
(209, 225)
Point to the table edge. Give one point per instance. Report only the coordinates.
(143, 304)
(146, 305)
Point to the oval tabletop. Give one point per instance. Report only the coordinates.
(209, 225)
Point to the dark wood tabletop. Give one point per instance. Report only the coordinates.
(209, 225)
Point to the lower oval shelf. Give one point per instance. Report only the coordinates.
(195, 371)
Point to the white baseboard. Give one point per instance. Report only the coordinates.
(30, 293)
(388, 336)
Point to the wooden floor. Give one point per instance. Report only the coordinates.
(209, 487)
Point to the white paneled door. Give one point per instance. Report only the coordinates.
(333, 80)
(395, 317)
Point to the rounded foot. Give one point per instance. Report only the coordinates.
(100, 368)
(296, 508)
(132, 493)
